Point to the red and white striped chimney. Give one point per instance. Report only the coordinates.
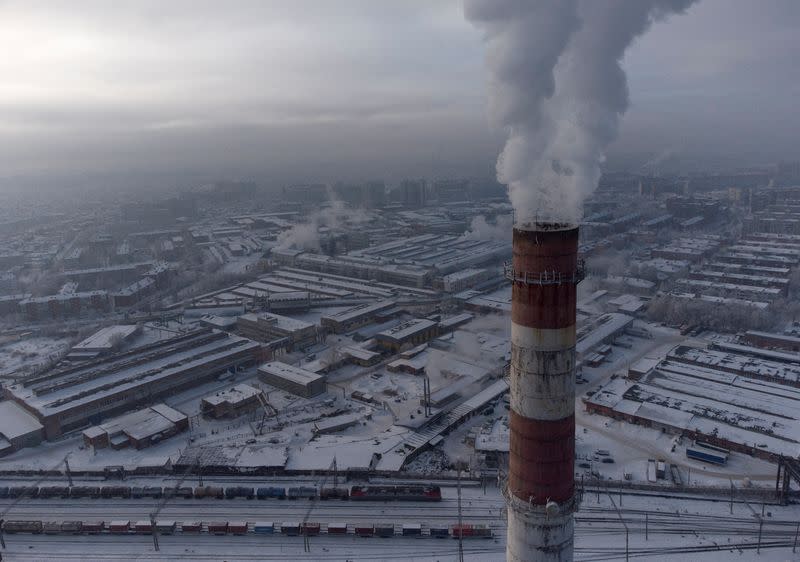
(541, 483)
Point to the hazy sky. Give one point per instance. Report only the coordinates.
(351, 88)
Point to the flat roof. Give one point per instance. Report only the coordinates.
(407, 329)
(290, 372)
(358, 311)
(102, 339)
(15, 421)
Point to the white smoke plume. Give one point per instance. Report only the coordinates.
(336, 215)
(482, 230)
(558, 88)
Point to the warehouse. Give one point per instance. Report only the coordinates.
(18, 428)
(296, 380)
(772, 340)
(266, 326)
(138, 429)
(64, 399)
(412, 332)
(352, 318)
(231, 402)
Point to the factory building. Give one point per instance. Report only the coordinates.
(266, 326)
(352, 318)
(68, 398)
(460, 280)
(18, 428)
(772, 340)
(411, 332)
(231, 402)
(139, 429)
(296, 380)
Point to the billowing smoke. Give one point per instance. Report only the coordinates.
(483, 230)
(558, 88)
(306, 235)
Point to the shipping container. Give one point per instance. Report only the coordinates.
(72, 527)
(337, 528)
(364, 530)
(264, 527)
(119, 527)
(237, 527)
(93, 527)
(218, 527)
(290, 528)
(191, 526)
(166, 527)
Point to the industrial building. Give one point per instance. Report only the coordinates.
(352, 318)
(18, 428)
(727, 399)
(231, 402)
(267, 327)
(68, 398)
(296, 380)
(411, 332)
(138, 429)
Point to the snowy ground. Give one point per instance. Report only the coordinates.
(20, 356)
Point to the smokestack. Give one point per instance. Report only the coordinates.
(541, 483)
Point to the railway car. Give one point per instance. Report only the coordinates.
(364, 530)
(337, 528)
(119, 527)
(264, 527)
(237, 527)
(191, 527)
(72, 527)
(209, 492)
(166, 527)
(84, 492)
(467, 531)
(290, 528)
(301, 492)
(93, 527)
(218, 527)
(54, 492)
(143, 527)
(51, 527)
(185, 492)
(34, 527)
(115, 492)
(334, 494)
(3, 491)
(418, 493)
(271, 492)
(23, 492)
(412, 530)
(384, 531)
(232, 492)
(439, 532)
(372, 493)
(310, 529)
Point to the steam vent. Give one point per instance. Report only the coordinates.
(541, 485)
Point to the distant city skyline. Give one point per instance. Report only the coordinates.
(148, 92)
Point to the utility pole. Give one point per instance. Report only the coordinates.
(460, 526)
(66, 469)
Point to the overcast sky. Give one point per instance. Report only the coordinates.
(353, 89)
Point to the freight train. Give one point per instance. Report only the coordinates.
(356, 493)
(287, 528)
